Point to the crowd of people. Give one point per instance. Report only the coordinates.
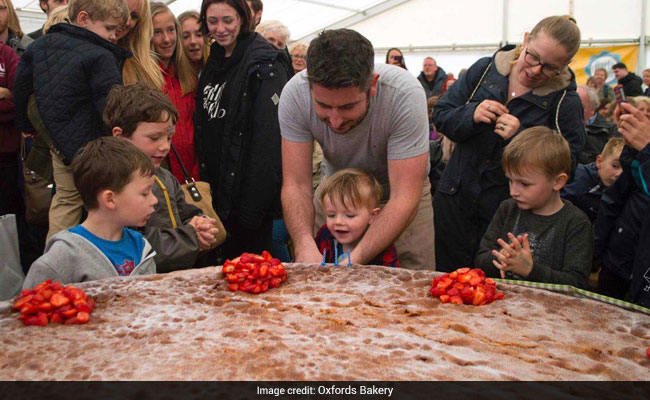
(116, 110)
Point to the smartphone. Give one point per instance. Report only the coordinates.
(620, 94)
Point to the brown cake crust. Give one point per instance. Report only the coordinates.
(326, 323)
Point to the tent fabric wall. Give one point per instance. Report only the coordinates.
(424, 27)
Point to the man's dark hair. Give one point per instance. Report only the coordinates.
(127, 106)
(619, 66)
(240, 6)
(107, 163)
(340, 58)
(256, 5)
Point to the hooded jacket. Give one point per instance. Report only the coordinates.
(623, 208)
(71, 258)
(242, 160)
(585, 190)
(436, 88)
(475, 164)
(70, 71)
(176, 248)
(631, 84)
(19, 44)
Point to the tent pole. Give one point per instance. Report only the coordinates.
(641, 62)
(504, 28)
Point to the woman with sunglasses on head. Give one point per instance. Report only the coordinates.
(236, 125)
(136, 36)
(517, 88)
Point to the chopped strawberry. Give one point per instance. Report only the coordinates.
(46, 293)
(69, 313)
(455, 300)
(465, 285)
(22, 301)
(83, 317)
(437, 291)
(56, 318)
(462, 270)
(233, 287)
(490, 281)
(453, 292)
(39, 319)
(445, 283)
(45, 307)
(59, 300)
(464, 278)
(444, 298)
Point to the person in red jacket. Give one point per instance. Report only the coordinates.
(10, 199)
(180, 86)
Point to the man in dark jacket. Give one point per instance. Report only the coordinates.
(47, 6)
(631, 83)
(70, 71)
(432, 78)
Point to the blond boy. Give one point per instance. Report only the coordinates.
(535, 235)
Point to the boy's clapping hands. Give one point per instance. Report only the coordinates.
(206, 231)
(515, 257)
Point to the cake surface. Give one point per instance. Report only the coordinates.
(325, 323)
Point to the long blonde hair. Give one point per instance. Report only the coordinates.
(191, 14)
(181, 64)
(13, 22)
(142, 66)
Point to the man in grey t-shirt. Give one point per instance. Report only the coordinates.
(363, 116)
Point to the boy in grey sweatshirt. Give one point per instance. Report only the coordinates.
(114, 179)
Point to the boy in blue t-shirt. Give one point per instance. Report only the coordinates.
(114, 179)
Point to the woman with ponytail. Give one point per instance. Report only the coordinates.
(517, 88)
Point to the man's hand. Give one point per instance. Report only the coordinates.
(635, 127)
(515, 257)
(307, 253)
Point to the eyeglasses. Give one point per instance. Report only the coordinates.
(534, 61)
(299, 56)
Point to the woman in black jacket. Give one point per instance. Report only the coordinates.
(236, 126)
(499, 96)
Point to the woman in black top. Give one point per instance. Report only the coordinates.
(236, 125)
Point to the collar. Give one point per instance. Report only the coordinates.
(505, 59)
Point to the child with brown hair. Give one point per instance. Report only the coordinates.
(70, 71)
(350, 198)
(592, 179)
(178, 231)
(535, 235)
(114, 179)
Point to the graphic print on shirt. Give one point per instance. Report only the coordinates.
(2, 70)
(646, 276)
(126, 269)
(211, 99)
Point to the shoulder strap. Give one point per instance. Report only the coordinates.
(186, 175)
(169, 204)
(479, 83)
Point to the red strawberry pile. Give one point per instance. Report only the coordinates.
(465, 286)
(253, 273)
(53, 302)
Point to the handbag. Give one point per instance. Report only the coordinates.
(199, 195)
(38, 193)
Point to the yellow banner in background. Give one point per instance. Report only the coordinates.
(588, 59)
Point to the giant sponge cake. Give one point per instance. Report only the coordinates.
(325, 323)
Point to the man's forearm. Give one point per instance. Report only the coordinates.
(299, 216)
(389, 224)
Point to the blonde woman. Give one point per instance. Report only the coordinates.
(136, 36)
(11, 34)
(195, 43)
(180, 86)
(58, 16)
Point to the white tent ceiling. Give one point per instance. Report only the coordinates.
(464, 28)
